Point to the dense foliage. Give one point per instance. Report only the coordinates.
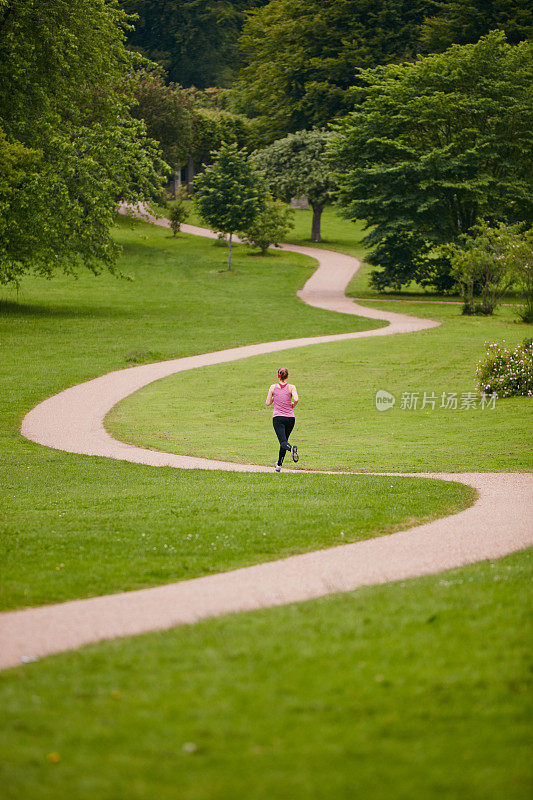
(302, 57)
(433, 147)
(187, 123)
(167, 110)
(507, 371)
(196, 41)
(466, 21)
(70, 147)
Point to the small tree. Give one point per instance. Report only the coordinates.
(230, 193)
(486, 264)
(178, 212)
(296, 166)
(270, 226)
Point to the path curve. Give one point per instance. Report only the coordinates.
(498, 523)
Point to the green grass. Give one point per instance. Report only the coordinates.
(338, 426)
(76, 526)
(412, 690)
(346, 236)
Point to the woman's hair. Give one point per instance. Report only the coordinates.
(283, 373)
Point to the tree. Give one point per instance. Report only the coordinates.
(298, 165)
(229, 194)
(466, 21)
(73, 148)
(486, 263)
(303, 54)
(270, 226)
(196, 41)
(211, 128)
(168, 113)
(434, 147)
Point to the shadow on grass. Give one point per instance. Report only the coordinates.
(10, 308)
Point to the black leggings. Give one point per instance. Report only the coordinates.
(283, 427)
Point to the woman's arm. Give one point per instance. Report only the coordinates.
(295, 397)
(269, 396)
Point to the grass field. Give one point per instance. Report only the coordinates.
(340, 427)
(74, 526)
(411, 690)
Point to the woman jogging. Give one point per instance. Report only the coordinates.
(284, 396)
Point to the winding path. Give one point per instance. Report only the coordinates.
(498, 523)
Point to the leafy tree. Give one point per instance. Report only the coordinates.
(168, 113)
(303, 54)
(211, 128)
(270, 226)
(298, 165)
(196, 41)
(485, 263)
(434, 147)
(230, 193)
(73, 148)
(466, 21)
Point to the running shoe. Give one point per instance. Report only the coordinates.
(294, 451)
(277, 467)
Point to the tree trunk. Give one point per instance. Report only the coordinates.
(177, 180)
(229, 251)
(315, 228)
(190, 175)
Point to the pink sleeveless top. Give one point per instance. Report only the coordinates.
(282, 401)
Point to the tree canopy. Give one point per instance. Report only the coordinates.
(466, 21)
(70, 147)
(167, 110)
(433, 147)
(298, 165)
(302, 56)
(196, 41)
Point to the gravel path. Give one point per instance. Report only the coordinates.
(498, 523)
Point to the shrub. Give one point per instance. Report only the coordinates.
(178, 212)
(508, 372)
(486, 264)
(270, 226)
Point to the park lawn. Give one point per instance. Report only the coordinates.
(338, 425)
(412, 690)
(76, 526)
(345, 236)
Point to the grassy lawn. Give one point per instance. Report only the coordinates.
(345, 236)
(413, 690)
(74, 526)
(338, 426)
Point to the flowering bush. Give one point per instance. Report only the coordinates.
(508, 372)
